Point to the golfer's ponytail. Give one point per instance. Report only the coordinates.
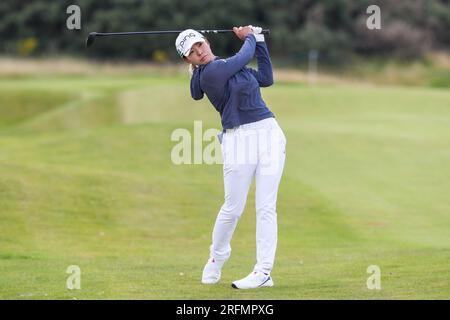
(191, 68)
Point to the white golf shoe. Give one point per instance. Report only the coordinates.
(211, 272)
(254, 280)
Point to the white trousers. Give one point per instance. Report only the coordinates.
(257, 150)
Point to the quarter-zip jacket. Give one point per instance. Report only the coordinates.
(234, 89)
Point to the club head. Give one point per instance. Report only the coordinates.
(90, 39)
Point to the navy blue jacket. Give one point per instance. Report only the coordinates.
(233, 88)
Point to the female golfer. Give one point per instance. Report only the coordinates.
(253, 145)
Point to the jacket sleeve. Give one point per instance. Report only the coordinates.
(264, 74)
(196, 89)
(221, 70)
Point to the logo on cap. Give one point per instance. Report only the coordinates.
(190, 35)
(185, 40)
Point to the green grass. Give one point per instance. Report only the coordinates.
(86, 179)
(432, 70)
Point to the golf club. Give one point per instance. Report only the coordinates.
(91, 38)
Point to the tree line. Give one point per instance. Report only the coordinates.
(337, 29)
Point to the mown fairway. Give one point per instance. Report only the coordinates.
(86, 179)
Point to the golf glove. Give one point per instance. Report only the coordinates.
(257, 32)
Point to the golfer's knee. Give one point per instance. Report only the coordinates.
(266, 211)
(232, 210)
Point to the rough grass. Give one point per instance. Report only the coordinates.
(86, 179)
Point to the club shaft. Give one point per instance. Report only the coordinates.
(103, 34)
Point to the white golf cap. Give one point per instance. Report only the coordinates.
(186, 40)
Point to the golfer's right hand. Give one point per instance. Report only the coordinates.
(242, 32)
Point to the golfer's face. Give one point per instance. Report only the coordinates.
(200, 53)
